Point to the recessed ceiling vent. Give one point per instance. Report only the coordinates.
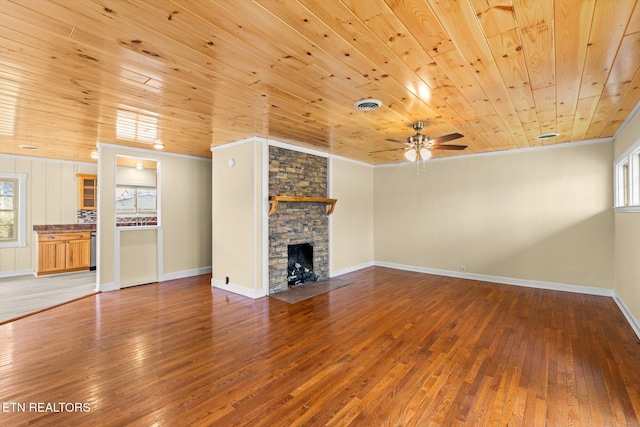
(367, 104)
(548, 135)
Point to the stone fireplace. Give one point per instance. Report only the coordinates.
(295, 173)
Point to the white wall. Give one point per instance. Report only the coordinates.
(52, 198)
(537, 215)
(627, 236)
(540, 215)
(182, 245)
(126, 175)
(138, 260)
(239, 207)
(186, 215)
(240, 216)
(351, 224)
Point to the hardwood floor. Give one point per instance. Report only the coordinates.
(392, 348)
(22, 295)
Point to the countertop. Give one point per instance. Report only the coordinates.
(63, 228)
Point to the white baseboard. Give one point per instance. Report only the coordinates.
(14, 273)
(138, 283)
(351, 269)
(633, 322)
(590, 290)
(186, 273)
(107, 287)
(237, 289)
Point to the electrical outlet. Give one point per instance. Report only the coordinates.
(463, 269)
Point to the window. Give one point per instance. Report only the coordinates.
(8, 210)
(137, 191)
(627, 180)
(12, 210)
(135, 200)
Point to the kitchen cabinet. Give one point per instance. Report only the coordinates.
(63, 252)
(87, 191)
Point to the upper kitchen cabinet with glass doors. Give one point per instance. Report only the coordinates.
(88, 191)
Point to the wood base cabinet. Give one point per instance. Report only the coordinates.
(63, 252)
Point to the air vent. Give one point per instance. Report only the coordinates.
(547, 135)
(367, 104)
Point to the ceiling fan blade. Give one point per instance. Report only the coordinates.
(445, 138)
(395, 140)
(390, 149)
(449, 147)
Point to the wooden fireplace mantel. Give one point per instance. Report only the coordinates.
(273, 201)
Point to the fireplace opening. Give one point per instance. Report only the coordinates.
(300, 264)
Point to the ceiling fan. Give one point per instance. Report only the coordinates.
(419, 146)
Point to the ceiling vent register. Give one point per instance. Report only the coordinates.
(367, 104)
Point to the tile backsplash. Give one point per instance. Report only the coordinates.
(87, 216)
(91, 217)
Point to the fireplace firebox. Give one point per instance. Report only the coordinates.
(300, 264)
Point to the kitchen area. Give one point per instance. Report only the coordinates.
(65, 266)
(140, 229)
(65, 248)
(65, 253)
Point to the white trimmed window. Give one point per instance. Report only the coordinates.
(136, 200)
(627, 180)
(13, 210)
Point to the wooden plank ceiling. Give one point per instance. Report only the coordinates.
(200, 73)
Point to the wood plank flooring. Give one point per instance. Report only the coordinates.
(392, 348)
(22, 295)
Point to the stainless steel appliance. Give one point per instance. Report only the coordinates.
(92, 265)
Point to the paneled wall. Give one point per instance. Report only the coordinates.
(52, 198)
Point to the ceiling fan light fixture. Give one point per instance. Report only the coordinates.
(367, 104)
(411, 155)
(425, 154)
